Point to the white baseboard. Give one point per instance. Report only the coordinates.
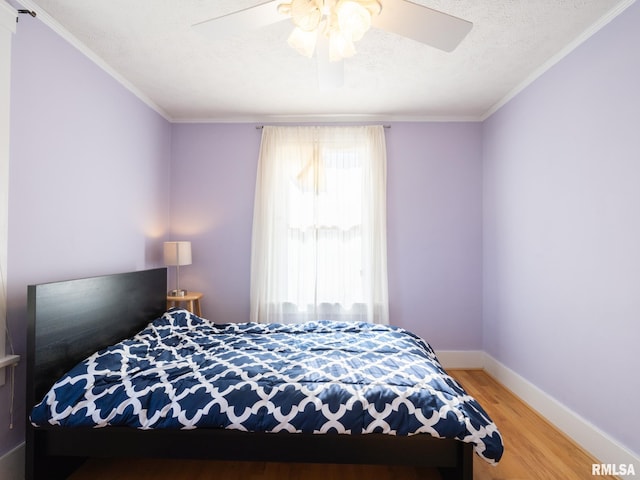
(588, 436)
(12, 464)
(470, 359)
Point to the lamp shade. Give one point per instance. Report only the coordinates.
(177, 253)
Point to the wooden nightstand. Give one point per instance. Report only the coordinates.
(191, 299)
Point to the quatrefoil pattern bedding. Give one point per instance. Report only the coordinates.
(186, 372)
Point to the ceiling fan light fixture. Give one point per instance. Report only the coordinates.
(353, 19)
(305, 14)
(340, 46)
(343, 22)
(303, 42)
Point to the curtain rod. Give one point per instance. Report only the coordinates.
(260, 127)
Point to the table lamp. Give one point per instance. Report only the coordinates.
(175, 255)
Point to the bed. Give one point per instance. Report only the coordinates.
(70, 321)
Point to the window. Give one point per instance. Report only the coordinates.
(319, 232)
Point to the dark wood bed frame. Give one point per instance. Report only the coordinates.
(70, 320)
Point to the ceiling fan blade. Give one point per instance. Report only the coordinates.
(422, 24)
(330, 74)
(250, 18)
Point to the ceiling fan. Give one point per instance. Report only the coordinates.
(329, 28)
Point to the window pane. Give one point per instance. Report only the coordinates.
(325, 231)
(319, 230)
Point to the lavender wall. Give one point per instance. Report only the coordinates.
(562, 231)
(90, 167)
(88, 181)
(213, 175)
(434, 223)
(434, 232)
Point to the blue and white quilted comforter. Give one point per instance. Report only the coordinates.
(184, 372)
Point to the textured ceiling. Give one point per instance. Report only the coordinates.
(256, 76)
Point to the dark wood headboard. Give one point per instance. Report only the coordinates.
(70, 320)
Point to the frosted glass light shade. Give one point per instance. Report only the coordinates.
(303, 42)
(342, 21)
(353, 19)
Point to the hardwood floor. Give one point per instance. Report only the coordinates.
(534, 449)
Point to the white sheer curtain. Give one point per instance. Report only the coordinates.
(319, 248)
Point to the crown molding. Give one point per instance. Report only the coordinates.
(7, 12)
(53, 24)
(588, 33)
(338, 118)
(232, 118)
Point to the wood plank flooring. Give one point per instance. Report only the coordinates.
(534, 449)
